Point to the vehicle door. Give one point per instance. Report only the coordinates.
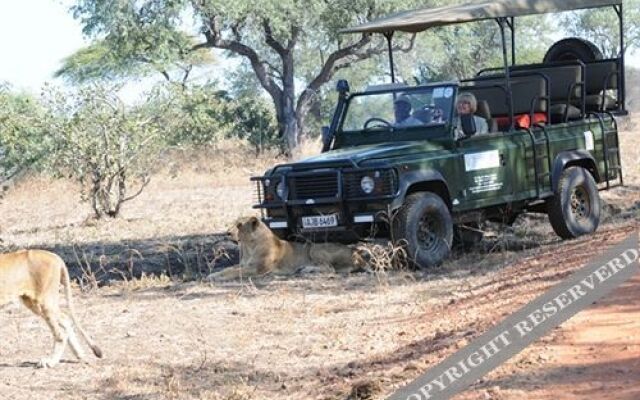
(489, 167)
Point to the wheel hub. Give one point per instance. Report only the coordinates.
(580, 203)
(429, 232)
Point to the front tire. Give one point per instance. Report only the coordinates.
(574, 210)
(424, 225)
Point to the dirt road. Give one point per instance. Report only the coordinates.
(318, 337)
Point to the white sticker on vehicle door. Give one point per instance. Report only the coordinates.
(484, 160)
(588, 141)
(486, 183)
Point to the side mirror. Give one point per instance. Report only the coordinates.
(326, 139)
(468, 125)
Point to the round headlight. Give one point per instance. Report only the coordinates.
(280, 189)
(367, 184)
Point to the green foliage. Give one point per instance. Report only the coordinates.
(100, 143)
(193, 116)
(141, 41)
(459, 51)
(602, 28)
(252, 119)
(98, 62)
(203, 115)
(22, 140)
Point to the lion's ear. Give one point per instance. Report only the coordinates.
(253, 222)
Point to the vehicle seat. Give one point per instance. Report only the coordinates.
(485, 112)
(602, 77)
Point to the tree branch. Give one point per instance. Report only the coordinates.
(215, 39)
(271, 41)
(344, 58)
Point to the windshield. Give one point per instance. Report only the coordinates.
(401, 109)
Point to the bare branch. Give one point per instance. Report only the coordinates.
(145, 182)
(215, 39)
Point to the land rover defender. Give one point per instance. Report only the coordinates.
(398, 161)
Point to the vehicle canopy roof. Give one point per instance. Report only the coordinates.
(421, 19)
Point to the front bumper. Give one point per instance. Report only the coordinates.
(325, 192)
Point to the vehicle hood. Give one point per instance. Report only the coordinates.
(383, 151)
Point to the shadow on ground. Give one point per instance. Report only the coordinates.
(186, 257)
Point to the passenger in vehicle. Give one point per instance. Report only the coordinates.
(468, 104)
(402, 110)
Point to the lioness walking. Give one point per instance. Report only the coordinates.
(34, 277)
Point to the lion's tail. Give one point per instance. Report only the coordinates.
(66, 282)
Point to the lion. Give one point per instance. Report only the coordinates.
(34, 277)
(262, 253)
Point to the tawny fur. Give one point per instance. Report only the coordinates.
(261, 253)
(35, 277)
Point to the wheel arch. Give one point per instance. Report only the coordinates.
(422, 181)
(574, 158)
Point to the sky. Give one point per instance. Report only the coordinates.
(35, 35)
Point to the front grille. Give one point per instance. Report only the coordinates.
(385, 183)
(316, 186)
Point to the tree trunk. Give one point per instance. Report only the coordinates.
(289, 122)
(287, 117)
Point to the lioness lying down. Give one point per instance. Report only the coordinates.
(34, 277)
(261, 253)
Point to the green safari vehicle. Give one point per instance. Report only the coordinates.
(401, 162)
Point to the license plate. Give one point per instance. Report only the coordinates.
(320, 221)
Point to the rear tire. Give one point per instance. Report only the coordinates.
(574, 210)
(424, 226)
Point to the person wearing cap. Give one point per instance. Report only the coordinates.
(402, 110)
(467, 104)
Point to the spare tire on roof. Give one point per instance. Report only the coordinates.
(573, 49)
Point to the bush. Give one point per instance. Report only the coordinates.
(100, 143)
(204, 115)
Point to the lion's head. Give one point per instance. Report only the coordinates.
(249, 228)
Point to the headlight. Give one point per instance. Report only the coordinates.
(367, 184)
(280, 189)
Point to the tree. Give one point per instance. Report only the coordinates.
(602, 28)
(101, 144)
(22, 141)
(270, 38)
(458, 52)
(109, 60)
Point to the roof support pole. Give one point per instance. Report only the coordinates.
(623, 84)
(507, 73)
(392, 70)
(511, 22)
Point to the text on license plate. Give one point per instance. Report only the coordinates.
(320, 221)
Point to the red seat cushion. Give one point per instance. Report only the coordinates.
(521, 120)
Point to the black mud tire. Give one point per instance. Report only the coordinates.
(574, 210)
(572, 49)
(424, 226)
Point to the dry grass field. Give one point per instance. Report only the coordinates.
(168, 335)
